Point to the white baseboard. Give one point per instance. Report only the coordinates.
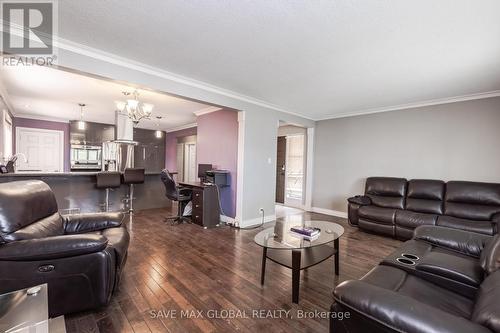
(330, 212)
(257, 221)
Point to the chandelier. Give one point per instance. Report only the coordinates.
(135, 110)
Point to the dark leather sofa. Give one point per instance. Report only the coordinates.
(80, 257)
(395, 206)
(452, 285)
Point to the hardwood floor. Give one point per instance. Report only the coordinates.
(186, 268)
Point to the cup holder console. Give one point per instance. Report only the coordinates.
(405, 261)
(410, 256)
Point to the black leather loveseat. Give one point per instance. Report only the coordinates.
(395, 206)
(443, 281)
(80, 257)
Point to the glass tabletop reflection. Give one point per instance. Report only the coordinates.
(280, 236)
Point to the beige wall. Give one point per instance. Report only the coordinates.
(459, 141)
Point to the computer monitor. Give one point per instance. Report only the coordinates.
(202, 169)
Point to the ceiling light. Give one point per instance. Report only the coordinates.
(81, 123)
(136, 110)
(158, 132)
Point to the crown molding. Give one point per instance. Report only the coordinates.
(210, 109)
(439, 101)
(38, 117)
(90, 52)
(182, 127)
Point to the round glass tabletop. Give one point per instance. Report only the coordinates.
(281, 237)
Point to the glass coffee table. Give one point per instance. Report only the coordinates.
(285, 248)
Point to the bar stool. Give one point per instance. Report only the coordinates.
(108, 180)
(131, 177)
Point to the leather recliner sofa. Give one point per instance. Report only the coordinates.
(395, 206)
(452, 285)
(80, 256)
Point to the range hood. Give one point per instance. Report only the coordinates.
(124, 128)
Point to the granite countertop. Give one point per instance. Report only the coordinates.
(58, 174)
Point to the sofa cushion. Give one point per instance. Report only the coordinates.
(382, 215)
(411, 219)
(46, 227)
(483, 227)
(425, 196)
(471, 200)
(23, 203)
(386, 192)
(397, 280)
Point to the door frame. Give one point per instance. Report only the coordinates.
(42, 130)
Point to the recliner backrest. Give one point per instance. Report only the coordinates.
(23, 203)
(386, 192)
(425, 196)
(471, 200)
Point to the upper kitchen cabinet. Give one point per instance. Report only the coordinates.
(94, 134)
(150, 151)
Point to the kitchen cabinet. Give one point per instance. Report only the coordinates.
(150, 151)
(94, 134)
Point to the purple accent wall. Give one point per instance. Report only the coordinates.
(44, 124)
(171, 146)
(217, 144)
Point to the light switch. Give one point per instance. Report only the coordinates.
(269, 160)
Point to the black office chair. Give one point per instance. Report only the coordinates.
(175, 193)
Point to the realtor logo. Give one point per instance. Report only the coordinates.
(28, 27)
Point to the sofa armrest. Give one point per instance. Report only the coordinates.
(465, 242)
(398, 312)
(360, 200)
(52, 247)
(82, 223)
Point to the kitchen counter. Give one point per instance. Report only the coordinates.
(58, 174)
(77, 190)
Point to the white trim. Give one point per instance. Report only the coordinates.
(256, 221)
(240, 164)
(330, 212)
(439, 101)
(61, 141)
(178, 128)
(309, 168)
(90, 52)
(210, 109)
(38, 117)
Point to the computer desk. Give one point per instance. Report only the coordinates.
(205, 200)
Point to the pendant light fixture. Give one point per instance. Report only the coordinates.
(158, 132)
(81, 123)
(135, 110)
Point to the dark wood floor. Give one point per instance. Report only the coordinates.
(187, 268)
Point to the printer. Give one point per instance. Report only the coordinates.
(217, 177)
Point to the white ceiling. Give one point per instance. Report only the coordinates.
(47, 93)
(317, 58)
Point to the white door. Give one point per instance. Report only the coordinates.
(43, 150)
(190, 162)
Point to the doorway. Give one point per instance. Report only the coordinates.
(290, 166)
